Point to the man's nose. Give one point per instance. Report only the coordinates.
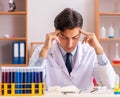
(70, 43)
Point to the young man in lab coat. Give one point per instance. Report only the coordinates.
(87, 57)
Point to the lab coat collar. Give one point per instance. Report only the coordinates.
(79, 54)
(64, 52)
(57, 56)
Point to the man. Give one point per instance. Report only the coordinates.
(67, 61)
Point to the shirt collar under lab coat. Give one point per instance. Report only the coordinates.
(63, 52)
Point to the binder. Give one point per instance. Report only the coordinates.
(18, 51)
(15, 52)
(22, 53)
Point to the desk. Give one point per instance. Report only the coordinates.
(59, 95)
(82, 95)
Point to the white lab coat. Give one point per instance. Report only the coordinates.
(86, 67)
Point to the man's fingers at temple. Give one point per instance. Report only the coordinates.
(57, 39)
(55, 35)
(56, 32)
(84, 40)
(83, 32)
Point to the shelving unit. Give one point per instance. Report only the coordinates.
(107, 13)
(14, 25)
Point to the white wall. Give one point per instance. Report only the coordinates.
(41, 14)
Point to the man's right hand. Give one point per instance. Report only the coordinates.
(48, 43)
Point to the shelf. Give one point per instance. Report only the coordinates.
(22, 38)
(13, 13)
(109, 39)
(13, 65)
(109, 13)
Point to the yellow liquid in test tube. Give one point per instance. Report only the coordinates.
(117, 85)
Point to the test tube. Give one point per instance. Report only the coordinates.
(117, 85)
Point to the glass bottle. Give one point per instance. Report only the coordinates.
(103, 32)
(111, 32)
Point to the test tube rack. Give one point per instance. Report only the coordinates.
(21, 81)
(26, 89)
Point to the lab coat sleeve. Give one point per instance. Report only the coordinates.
(37, 61)
(104, 74)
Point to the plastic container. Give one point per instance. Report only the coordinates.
(111, 32)
(103, 32)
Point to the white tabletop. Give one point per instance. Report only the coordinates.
(55, 95)
(81, 95)
(74, 95)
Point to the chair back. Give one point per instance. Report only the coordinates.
(33, 45)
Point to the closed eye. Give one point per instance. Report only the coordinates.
(76, 37)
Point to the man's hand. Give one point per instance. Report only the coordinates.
(91, 39)
(48, 43)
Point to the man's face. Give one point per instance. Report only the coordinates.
(69, 39)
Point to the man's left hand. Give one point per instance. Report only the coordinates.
(92, 40)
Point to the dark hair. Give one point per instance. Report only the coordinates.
(68, 19)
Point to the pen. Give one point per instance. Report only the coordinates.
(66, 92)
(94, 90)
